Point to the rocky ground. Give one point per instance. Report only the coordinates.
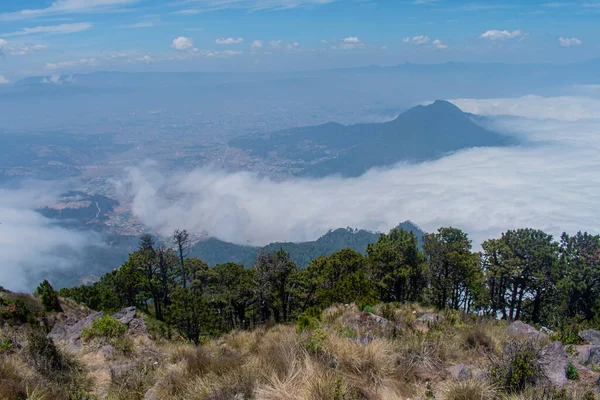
(392, 352)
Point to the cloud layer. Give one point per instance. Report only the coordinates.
(551, 183)
(30, 243)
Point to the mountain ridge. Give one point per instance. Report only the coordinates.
(422, 133)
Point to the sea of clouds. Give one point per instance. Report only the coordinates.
(551, 182)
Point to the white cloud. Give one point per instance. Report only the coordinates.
(24, 50)
(257, 44)
(566, 42)
(226, 53)
(229, 40)
(352, 39)
(3, 43)
(52, 29)
(84, 62)
(439, 44)
(3, 80)
(139, 25)
(552, 183)
(275, 43)
(417, 39)
(147, 59)
(563, 108)
(30, 243)
(59, 7)
(182, 43)
(251, 5)
(501, 35)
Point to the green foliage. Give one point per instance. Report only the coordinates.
(571, 372)
(309, 319)
(49, 297)
(368, 308)
(315, 342)
(104, 327)
(568, 333)
(6, 345)
(518, 367)
(398, 267)
(454, 272)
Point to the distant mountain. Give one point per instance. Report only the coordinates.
(419, 134)
(214, 251)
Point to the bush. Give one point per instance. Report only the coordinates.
(43, 355)
(104, 327)
(368, 308)
(309, 319)
(568, 333)
(520, 365)
(571, 372)
(48, 297)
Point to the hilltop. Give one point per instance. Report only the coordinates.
(422, 133)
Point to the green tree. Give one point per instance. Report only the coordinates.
(338, 278)
(48, 297)
(455, 275)
(580, 276)
(398, 267)
(232, 293)
(521, 273)
(275, 286)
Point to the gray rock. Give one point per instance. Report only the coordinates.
(108, 350)
(137, 327)
(555, 360)
(69, 330)
(593, 358)
(430, 318)
(579, 353)
(591, 336)
(126, 315)
(365, 338)
(375, 318)
(522, 329)
(459, 372)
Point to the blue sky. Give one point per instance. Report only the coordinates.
(51, 37)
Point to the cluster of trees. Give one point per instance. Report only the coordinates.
(525, 274)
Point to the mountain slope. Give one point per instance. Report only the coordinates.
(214, 251)
(420, 134)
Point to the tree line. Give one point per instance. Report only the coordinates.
(525, 274)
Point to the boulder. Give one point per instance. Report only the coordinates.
(591, 336)
(459, 372)
(69, 330)
(579, 353)
(375, 318)
(126, 315)
(593, 358)
(520, 328)
(555, 360)
(137, 327)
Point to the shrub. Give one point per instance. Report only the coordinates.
(43, 355)
(315, 342)
(309, 319)
(520, 365)
(568, 333)
(6, 345)
(571, 372)
(368, 308)
(48, 297)
(104, 327)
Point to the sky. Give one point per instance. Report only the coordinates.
(54, 37)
